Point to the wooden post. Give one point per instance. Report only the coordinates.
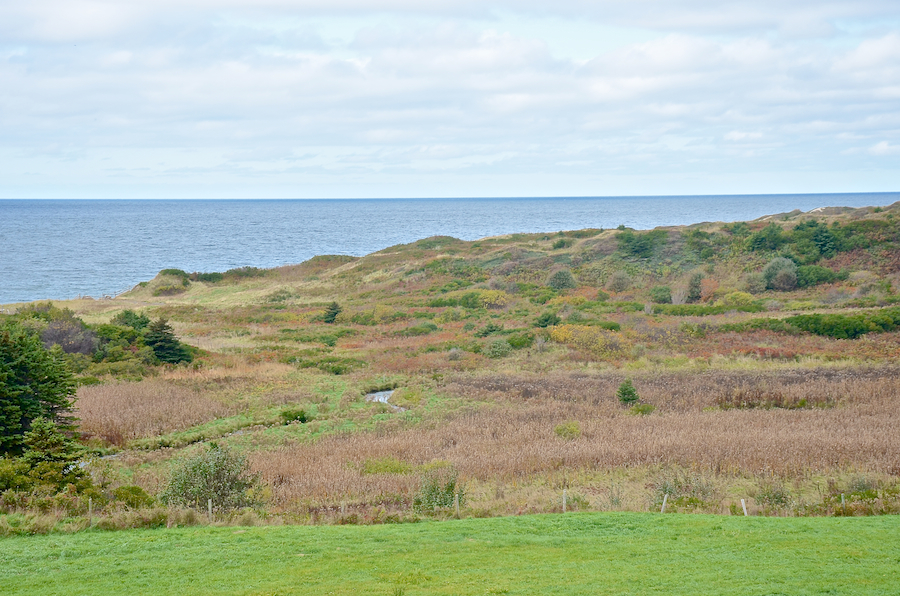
(564, 500)
(843, 503)
(456, 504)
(343, 508)
(209, 509)
(744, 506)
(665, 498)
(90, 511)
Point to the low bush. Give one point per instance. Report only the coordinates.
(497, 349)
(217, 474)
(626, 393)
(661, 295)
(438, 490)
(848, 326)
(568, 430)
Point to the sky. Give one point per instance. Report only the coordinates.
(441, 98)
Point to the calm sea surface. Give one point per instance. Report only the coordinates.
(57, 249)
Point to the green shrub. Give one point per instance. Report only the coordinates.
(848, 326)
(547, 319)
(216, 474)
(489, 329)
(289, 415)
(813, 275)
(562, 243)
(568, 430)
(619, 281)
(642, 409)
(416, 330)
(519, 341)
(780, 274)
(694, 288)
(133, 497)
(562, 280)
(438, 490)
(626, 393)
(661, 295)
(498, 349)
(129, 318)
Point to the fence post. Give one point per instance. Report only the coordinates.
(209, 509)
(90, 511)
(564, 500)
(744, 506)
(665, 498)
(456, 504)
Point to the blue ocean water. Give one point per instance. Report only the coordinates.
(58, 249)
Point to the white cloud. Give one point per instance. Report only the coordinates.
(399, 91)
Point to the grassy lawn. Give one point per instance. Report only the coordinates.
(592, 553)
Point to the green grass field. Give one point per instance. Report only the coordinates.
(595, 553)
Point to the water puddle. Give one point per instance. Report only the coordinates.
(382, 397)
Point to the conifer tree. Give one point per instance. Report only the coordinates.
(332, 312)
(34, 383)
(161, 339)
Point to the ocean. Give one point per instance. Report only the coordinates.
(59, 249)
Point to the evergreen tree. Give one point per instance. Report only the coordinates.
(53, 457)
(626, 393)
(34, 383)
(332, 312)
(161, 339)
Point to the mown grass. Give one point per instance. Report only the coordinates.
(607, 553)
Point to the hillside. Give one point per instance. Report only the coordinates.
(763, 357)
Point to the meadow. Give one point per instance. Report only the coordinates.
(763, 356)
(580, 553)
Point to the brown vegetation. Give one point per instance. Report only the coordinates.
(515, 441)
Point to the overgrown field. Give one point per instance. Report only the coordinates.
(597, 553)
(705, 365)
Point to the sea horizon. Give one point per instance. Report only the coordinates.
(59, 249)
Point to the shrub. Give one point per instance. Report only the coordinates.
(519, 341)
(438, 490)
(216, 474)
(847, 326)
(693, 291)
(626, 393)
(619, 281)
(489, 329)
(736, 299)
(780, 274)
(661, 295)
(813, 275)
(498, 349)
(547, 319)
(562, 280)
(129, 318)
(568, 430)
(289, 415)
(133, 497)
(642, 409)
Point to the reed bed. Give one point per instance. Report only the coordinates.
(119, 412)
(515, 440)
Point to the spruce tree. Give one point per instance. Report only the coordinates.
(161, 339)
(332, 312)
(34, 383)
(626, 393)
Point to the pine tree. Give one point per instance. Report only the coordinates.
(161, 339)
(331, 312)
(34, 383)
(626, 393)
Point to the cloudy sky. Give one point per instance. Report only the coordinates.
(435, 98)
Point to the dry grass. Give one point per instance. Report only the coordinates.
(119, 412)
(515, 441)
